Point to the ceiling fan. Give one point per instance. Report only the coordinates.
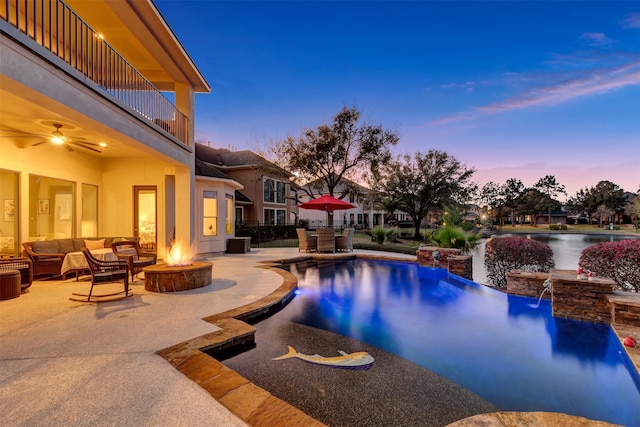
(55, 137)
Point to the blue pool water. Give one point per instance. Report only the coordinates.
(507, 349)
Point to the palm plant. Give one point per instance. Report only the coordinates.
(452, 236)
(381, 234)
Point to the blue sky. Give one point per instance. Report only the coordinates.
(517, 89)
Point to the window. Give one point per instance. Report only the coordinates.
(239, 216)
(89, 210)
(275, 216)
(274, 191)
(51, 207)
(229, 220)
(210, 213)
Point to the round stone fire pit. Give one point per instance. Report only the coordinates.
(173, 278)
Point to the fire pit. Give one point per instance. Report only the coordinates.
(173, 278)
(179, 273)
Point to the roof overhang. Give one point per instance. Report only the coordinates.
(139, 32)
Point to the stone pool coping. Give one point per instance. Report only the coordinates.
(257, 407)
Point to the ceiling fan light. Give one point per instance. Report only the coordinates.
(57, 137)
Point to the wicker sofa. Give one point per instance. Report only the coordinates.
(47, 255)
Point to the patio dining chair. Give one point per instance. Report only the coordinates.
(136, 259)
(326, 240)
(103, 272)
(305, 242)
(345, 242)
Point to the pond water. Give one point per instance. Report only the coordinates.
(566, 249)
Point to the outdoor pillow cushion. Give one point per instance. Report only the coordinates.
(94, 244)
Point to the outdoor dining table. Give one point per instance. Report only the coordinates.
(76, 262)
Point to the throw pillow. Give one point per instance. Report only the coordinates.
(94, 244)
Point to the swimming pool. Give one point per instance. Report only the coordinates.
(507, 349)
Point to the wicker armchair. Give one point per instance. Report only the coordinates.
(326, 240)
(103, 272)
(136, 262)
(345, 242)
(24, 266)
(305, 242)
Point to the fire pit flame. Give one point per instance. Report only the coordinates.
(178, 255)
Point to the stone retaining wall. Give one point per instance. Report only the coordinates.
(625, 309)
(581, 299)
(450, 259)
(461, 265)
(527, 284)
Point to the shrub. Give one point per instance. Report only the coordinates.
(558, 227)
(380, 234)
(504, 254)
(450, 236)
(619, 261)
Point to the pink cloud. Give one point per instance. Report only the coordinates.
(568, 87)
(596, 39)
(632, 21)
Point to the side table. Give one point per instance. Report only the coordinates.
(9, 284)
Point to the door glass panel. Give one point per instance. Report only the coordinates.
(145, 216)
(10, 213)
(89, 210)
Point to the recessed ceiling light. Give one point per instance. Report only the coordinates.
(103, 144)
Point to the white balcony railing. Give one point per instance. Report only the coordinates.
(57, 28)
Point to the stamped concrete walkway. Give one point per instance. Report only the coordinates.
(68, 363)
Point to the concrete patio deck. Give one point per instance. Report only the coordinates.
(70, 363)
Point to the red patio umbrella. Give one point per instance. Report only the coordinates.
(326, 203)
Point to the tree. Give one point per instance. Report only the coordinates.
(603, 211)
(332, 152)
(390, 206)
(576, 203)
(491, 198)
(425, 181)
(549, 186)
(604, 193)
(533, 201)
(511, 190)
(633, 210)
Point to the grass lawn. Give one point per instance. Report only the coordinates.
(624, 229)
(362, 240)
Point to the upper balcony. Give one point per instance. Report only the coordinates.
(150, 44)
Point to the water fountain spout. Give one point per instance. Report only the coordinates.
(547, 287)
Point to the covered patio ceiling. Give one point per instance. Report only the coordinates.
(20, 114)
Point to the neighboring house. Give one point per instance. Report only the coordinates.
(216, 200)
(557, 217)
(268, 196)
(473, 213)
(126, 163)
(366, 214)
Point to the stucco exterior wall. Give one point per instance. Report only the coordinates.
(212, 243)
